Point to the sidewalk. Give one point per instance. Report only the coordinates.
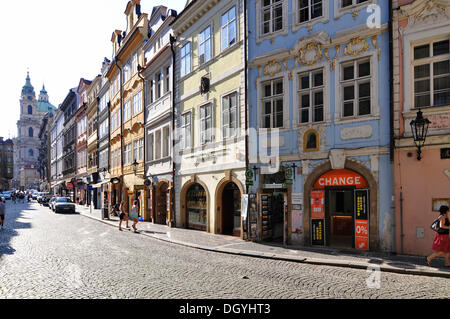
(402, 264)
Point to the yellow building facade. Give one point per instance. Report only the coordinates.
(127, 110)
(210, 103)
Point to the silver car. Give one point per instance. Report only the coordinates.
(63, 205)
(51, 203)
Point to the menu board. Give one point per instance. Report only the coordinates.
(362, 219)
(318, 231)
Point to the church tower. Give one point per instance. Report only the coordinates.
(26, 145)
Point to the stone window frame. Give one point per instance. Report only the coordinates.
(325, 18)
(326, 92)
(259, 35)
(339, 11)
(238, 126)
(374, 87)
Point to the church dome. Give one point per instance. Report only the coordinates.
(43, 104)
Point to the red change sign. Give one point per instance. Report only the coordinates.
(341, 177)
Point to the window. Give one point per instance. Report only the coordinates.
(137, 103)
(356, 88)
(310, 96)
(150, 91)
(30, 153)
(272, 16)
(158, 84)
(157, 144)
(127, 154)
(229, 115)
(228, 33)
(309, 9)
(166, 141)
(138, 150)
(134, 64)
(272, 104)
(126, 72)
(30, 132)
(103, 102)
(348, 3)
(150, 146)
(104, 127)
(186, 59)
(206, 124)
(186, 130)
(432, 74)
(30, 109)
(126, 111)
(204, 40)
(167, 82)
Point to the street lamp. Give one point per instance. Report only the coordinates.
(103, 172)
(419, 128)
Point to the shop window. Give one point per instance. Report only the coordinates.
(311, 141)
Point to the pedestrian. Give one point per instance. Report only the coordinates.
(441, 243)
(2, 211)
(134, 215)
(14, 197)
(123, 216)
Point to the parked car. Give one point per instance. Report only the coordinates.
(6, 195)
(51, 203)
(45, 199)
(64, 204)
(40, 197)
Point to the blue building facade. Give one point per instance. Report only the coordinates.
(319, 123)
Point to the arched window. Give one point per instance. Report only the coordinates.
(30, 153)
(30, 132)
(311, 141)
(30, 109)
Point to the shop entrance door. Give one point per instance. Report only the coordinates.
(231, 210)
(340, 220)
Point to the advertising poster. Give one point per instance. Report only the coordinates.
(317, 205)
(362, 220)
(362, 234)
(317, 227)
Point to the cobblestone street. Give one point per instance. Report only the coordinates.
(44, 255)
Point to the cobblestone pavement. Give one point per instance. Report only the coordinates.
(44, 255)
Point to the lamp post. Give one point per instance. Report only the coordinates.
(419, 128)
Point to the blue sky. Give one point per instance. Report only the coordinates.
(58, 42)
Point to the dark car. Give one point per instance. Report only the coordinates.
(64, 205)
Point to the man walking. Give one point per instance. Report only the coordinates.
(2, 211)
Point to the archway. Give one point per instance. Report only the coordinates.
(162, 197)
(194, 206)
(372, 198)
(228, 211)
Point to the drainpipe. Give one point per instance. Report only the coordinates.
(246, 102)
(172, 202)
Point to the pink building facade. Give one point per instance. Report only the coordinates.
(421, 81)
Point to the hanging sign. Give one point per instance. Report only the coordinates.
(341, 177)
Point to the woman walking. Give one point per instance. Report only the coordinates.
(134, 215)
(123, 215)
(441, 243)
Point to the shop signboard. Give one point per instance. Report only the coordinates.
(249, 176)
(289, 173)
(317, 204)
(253, 216)
(362, 219)
(341, 177)
(317, 226)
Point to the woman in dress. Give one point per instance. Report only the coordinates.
(441, 243)
(134, 215)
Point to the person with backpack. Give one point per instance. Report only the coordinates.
(441, 242)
